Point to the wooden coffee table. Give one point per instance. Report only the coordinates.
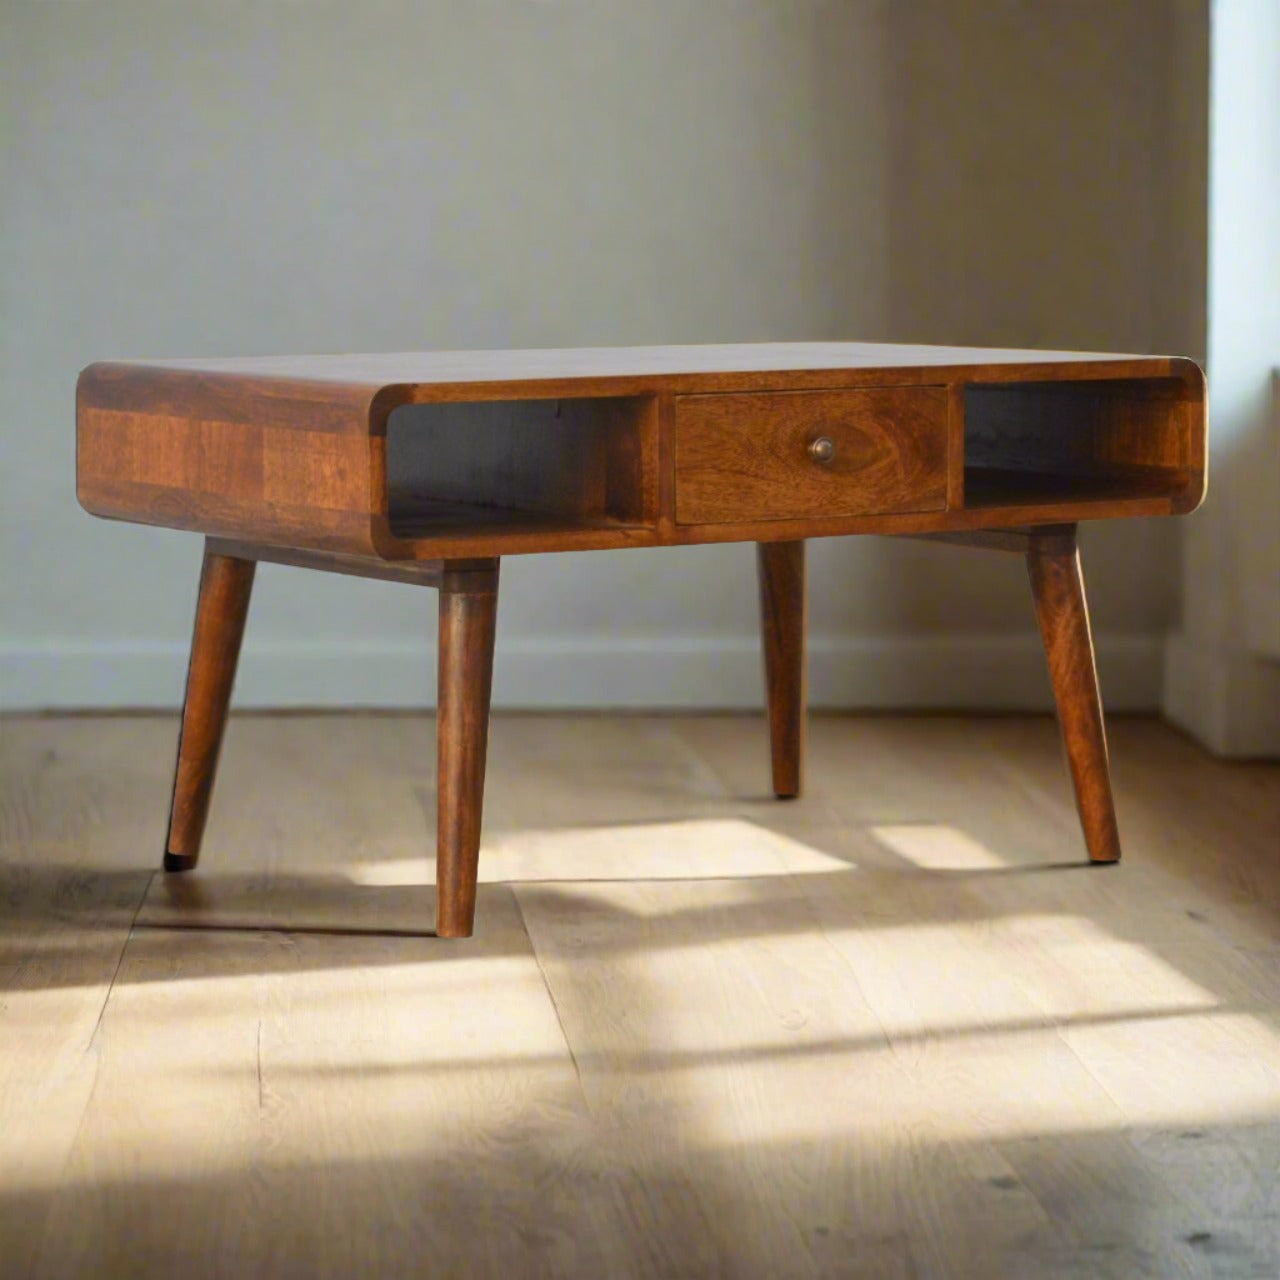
(427, 468)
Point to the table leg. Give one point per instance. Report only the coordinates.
(221, 609)
(468, 617)
(1057, 585)
(782, 621)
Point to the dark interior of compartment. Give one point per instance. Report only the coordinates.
(1076, 442)
(558, 463)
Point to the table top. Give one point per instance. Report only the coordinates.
(673, 368)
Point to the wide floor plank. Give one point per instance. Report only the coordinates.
(62, 942)
(891, 1029)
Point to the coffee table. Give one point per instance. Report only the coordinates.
(427, 468)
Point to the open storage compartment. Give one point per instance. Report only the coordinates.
(551, 465)
(1112, 440)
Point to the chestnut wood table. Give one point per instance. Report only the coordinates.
(426, 468)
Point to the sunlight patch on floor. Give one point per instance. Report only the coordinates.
(934, 846)
(698, 849)
(385, 1051)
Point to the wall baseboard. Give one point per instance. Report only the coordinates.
(1229, 702)
(958, 672)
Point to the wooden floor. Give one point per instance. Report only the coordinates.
(892, 1029)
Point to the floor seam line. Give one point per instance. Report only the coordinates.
(551, 995)
(124, 947)
(93, 1035)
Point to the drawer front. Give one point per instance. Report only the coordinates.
(810, 454)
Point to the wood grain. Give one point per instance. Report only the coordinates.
(1057, 586)
(468, 619)
(783, 609)
(748, 457)
(293, 451)
(1076, 424)
(908, 1042)
(221, 610)
(246, 457)
(1009, 540)
(955, 446)
(418, 573)
(584, 461)
(63, 931)
(711, 367)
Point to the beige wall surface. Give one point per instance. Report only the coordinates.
(306, 175)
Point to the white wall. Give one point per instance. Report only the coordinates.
(1224, 662)
(229, 178)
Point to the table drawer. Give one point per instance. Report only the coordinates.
(808, 454)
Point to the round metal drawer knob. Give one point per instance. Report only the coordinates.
(823, 449)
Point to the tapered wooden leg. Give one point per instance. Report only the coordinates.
(1057, 584)
(468, 616)
(782, 622)
(221, 609)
